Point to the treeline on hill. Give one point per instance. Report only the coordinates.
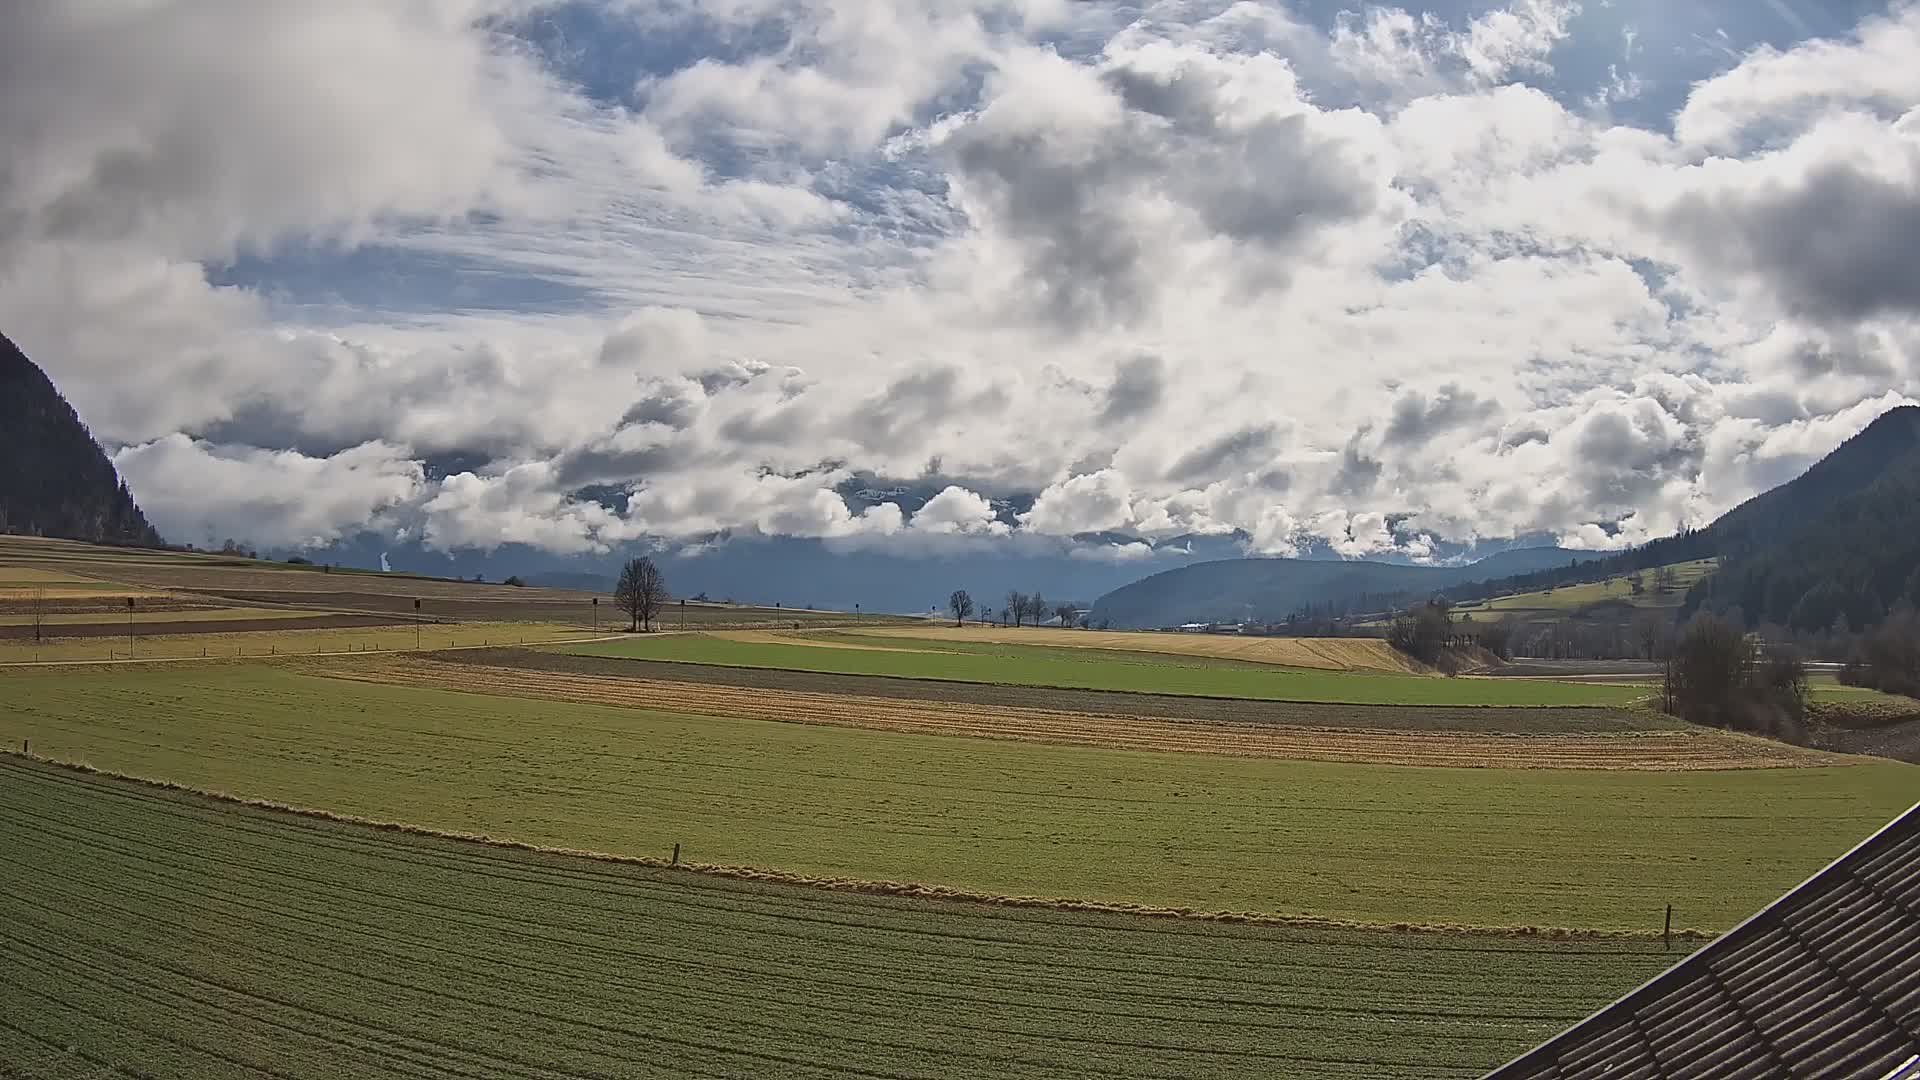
(54, 479)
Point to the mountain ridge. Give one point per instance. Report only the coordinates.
(57, 481)
(1270, 589)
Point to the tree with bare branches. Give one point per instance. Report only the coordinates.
(641, 592)
(961, 604)
(37, 612)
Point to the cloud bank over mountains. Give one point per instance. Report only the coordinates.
(580, 275)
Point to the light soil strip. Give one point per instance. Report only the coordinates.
(1327, 654)
(1654, 751)
(776, 637)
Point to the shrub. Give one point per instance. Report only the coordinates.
(1716, 676)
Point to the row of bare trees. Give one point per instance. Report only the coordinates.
(1020, 608)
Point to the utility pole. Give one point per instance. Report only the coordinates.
(683, 627)
(596, 614)
(416, 624)
(129, 627)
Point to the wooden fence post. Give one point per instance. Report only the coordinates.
(676, 854)
(1666, 933)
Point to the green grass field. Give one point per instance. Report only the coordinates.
(163, 935)
(1069, 668)
(1373, 843)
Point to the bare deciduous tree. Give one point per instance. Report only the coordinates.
(1016, 606)
(641, 593)
(1648, 629)
(37, 612)
(961, 604)
(1037, 608)
(1066, 613)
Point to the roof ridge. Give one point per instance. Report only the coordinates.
(1543, 1060)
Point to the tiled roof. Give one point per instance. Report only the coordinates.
(1825, 982)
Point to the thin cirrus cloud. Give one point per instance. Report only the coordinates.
(1366, 282)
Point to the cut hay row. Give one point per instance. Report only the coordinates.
(1327, 654)
(1646, 750)
(182, 938)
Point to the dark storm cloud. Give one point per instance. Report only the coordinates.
(716, 380)
(1622, 461)
(1417, 418)
(1358, 471)
(782, 425)
(1838, 246)
(605, 464)
(912, 407)
(1072, 206)
(1139, 382)
(672, 405)
(273, 426)
(1235, 450)
(1069, 218)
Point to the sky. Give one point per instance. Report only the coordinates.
(601, 274)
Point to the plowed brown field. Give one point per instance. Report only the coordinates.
(1663, 750)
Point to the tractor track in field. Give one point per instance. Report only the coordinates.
(1646, 750)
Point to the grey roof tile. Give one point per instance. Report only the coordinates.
(1823, 983)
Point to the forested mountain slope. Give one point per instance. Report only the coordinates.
(1842, 542)
(54, 479)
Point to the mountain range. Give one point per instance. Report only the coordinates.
(1268, 590)
(1837, 545)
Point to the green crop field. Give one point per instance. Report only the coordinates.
(160, 934)
(1374, 843)
(1069, 668)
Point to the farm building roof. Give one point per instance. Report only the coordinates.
(1824, 982)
